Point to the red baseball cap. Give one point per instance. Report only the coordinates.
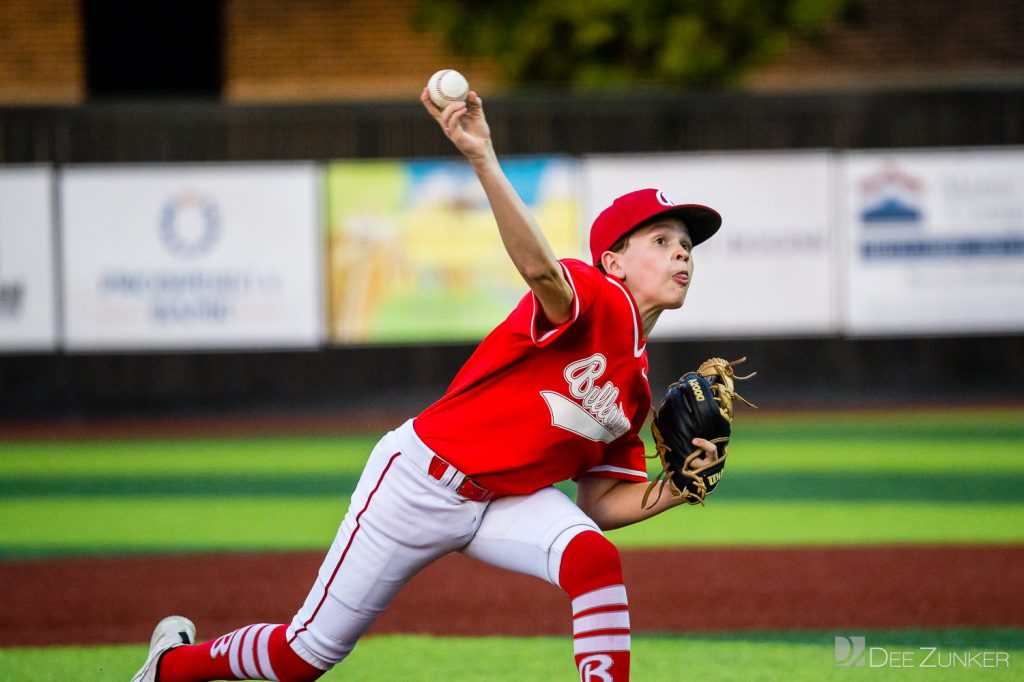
(632, 210)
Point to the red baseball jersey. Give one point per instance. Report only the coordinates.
(537, 404)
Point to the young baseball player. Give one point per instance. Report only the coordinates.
(557, 391)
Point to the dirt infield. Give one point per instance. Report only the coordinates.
(113, 600)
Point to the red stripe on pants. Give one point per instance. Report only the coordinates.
(344, 552)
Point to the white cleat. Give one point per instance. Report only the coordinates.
(171, 632)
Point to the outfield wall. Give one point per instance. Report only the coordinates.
(189, 257)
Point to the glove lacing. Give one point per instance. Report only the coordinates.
(665, 476)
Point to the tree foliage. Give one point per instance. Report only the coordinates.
(614, 43)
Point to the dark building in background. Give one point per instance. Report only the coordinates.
(153, 49)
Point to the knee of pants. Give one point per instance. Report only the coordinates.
(590, 561)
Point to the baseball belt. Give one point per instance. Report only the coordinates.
(468, 488)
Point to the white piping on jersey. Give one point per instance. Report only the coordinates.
(575, 310)
(618, 470)
(638, 350)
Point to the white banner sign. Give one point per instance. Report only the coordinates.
(935, 241)
(27, 305)
(769, 270)
(213, 256)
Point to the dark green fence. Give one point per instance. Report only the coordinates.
(523, 123)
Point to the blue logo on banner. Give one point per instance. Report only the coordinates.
(891, 210)
(189, 224)
(890, 197)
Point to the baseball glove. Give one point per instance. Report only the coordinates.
(698, 405)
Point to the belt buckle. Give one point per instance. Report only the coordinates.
(472, 490)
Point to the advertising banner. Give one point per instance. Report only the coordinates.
(28, 310)
(935, 241)
(770, 269)
(414, 252)
(191, 256)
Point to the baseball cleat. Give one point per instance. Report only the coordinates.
(171, 632)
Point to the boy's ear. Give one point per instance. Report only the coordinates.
(610, 261)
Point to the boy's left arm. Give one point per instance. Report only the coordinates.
(614, 503)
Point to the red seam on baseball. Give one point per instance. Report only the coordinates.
(437, 87)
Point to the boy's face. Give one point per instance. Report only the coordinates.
(656, 264)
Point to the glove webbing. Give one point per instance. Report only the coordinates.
(722, 376)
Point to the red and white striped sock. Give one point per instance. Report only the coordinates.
(591, 573)
(600, 629)
(254, 652)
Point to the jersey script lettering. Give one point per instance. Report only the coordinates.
(597, 416)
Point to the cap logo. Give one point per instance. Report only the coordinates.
(664, 199)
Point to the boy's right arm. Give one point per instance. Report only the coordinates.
(466, 126)
(614, 503)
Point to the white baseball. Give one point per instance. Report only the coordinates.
(447, 86)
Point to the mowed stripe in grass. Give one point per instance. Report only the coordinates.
(770, 656)
(960, 454)
(740, 485)
(831, 459)
(186, 456)
(77, 526)
(952, 441)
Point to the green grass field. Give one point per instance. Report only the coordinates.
(791, 656)
(937, 477)
(933, 477)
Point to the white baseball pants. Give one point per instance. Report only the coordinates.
(401, 519)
